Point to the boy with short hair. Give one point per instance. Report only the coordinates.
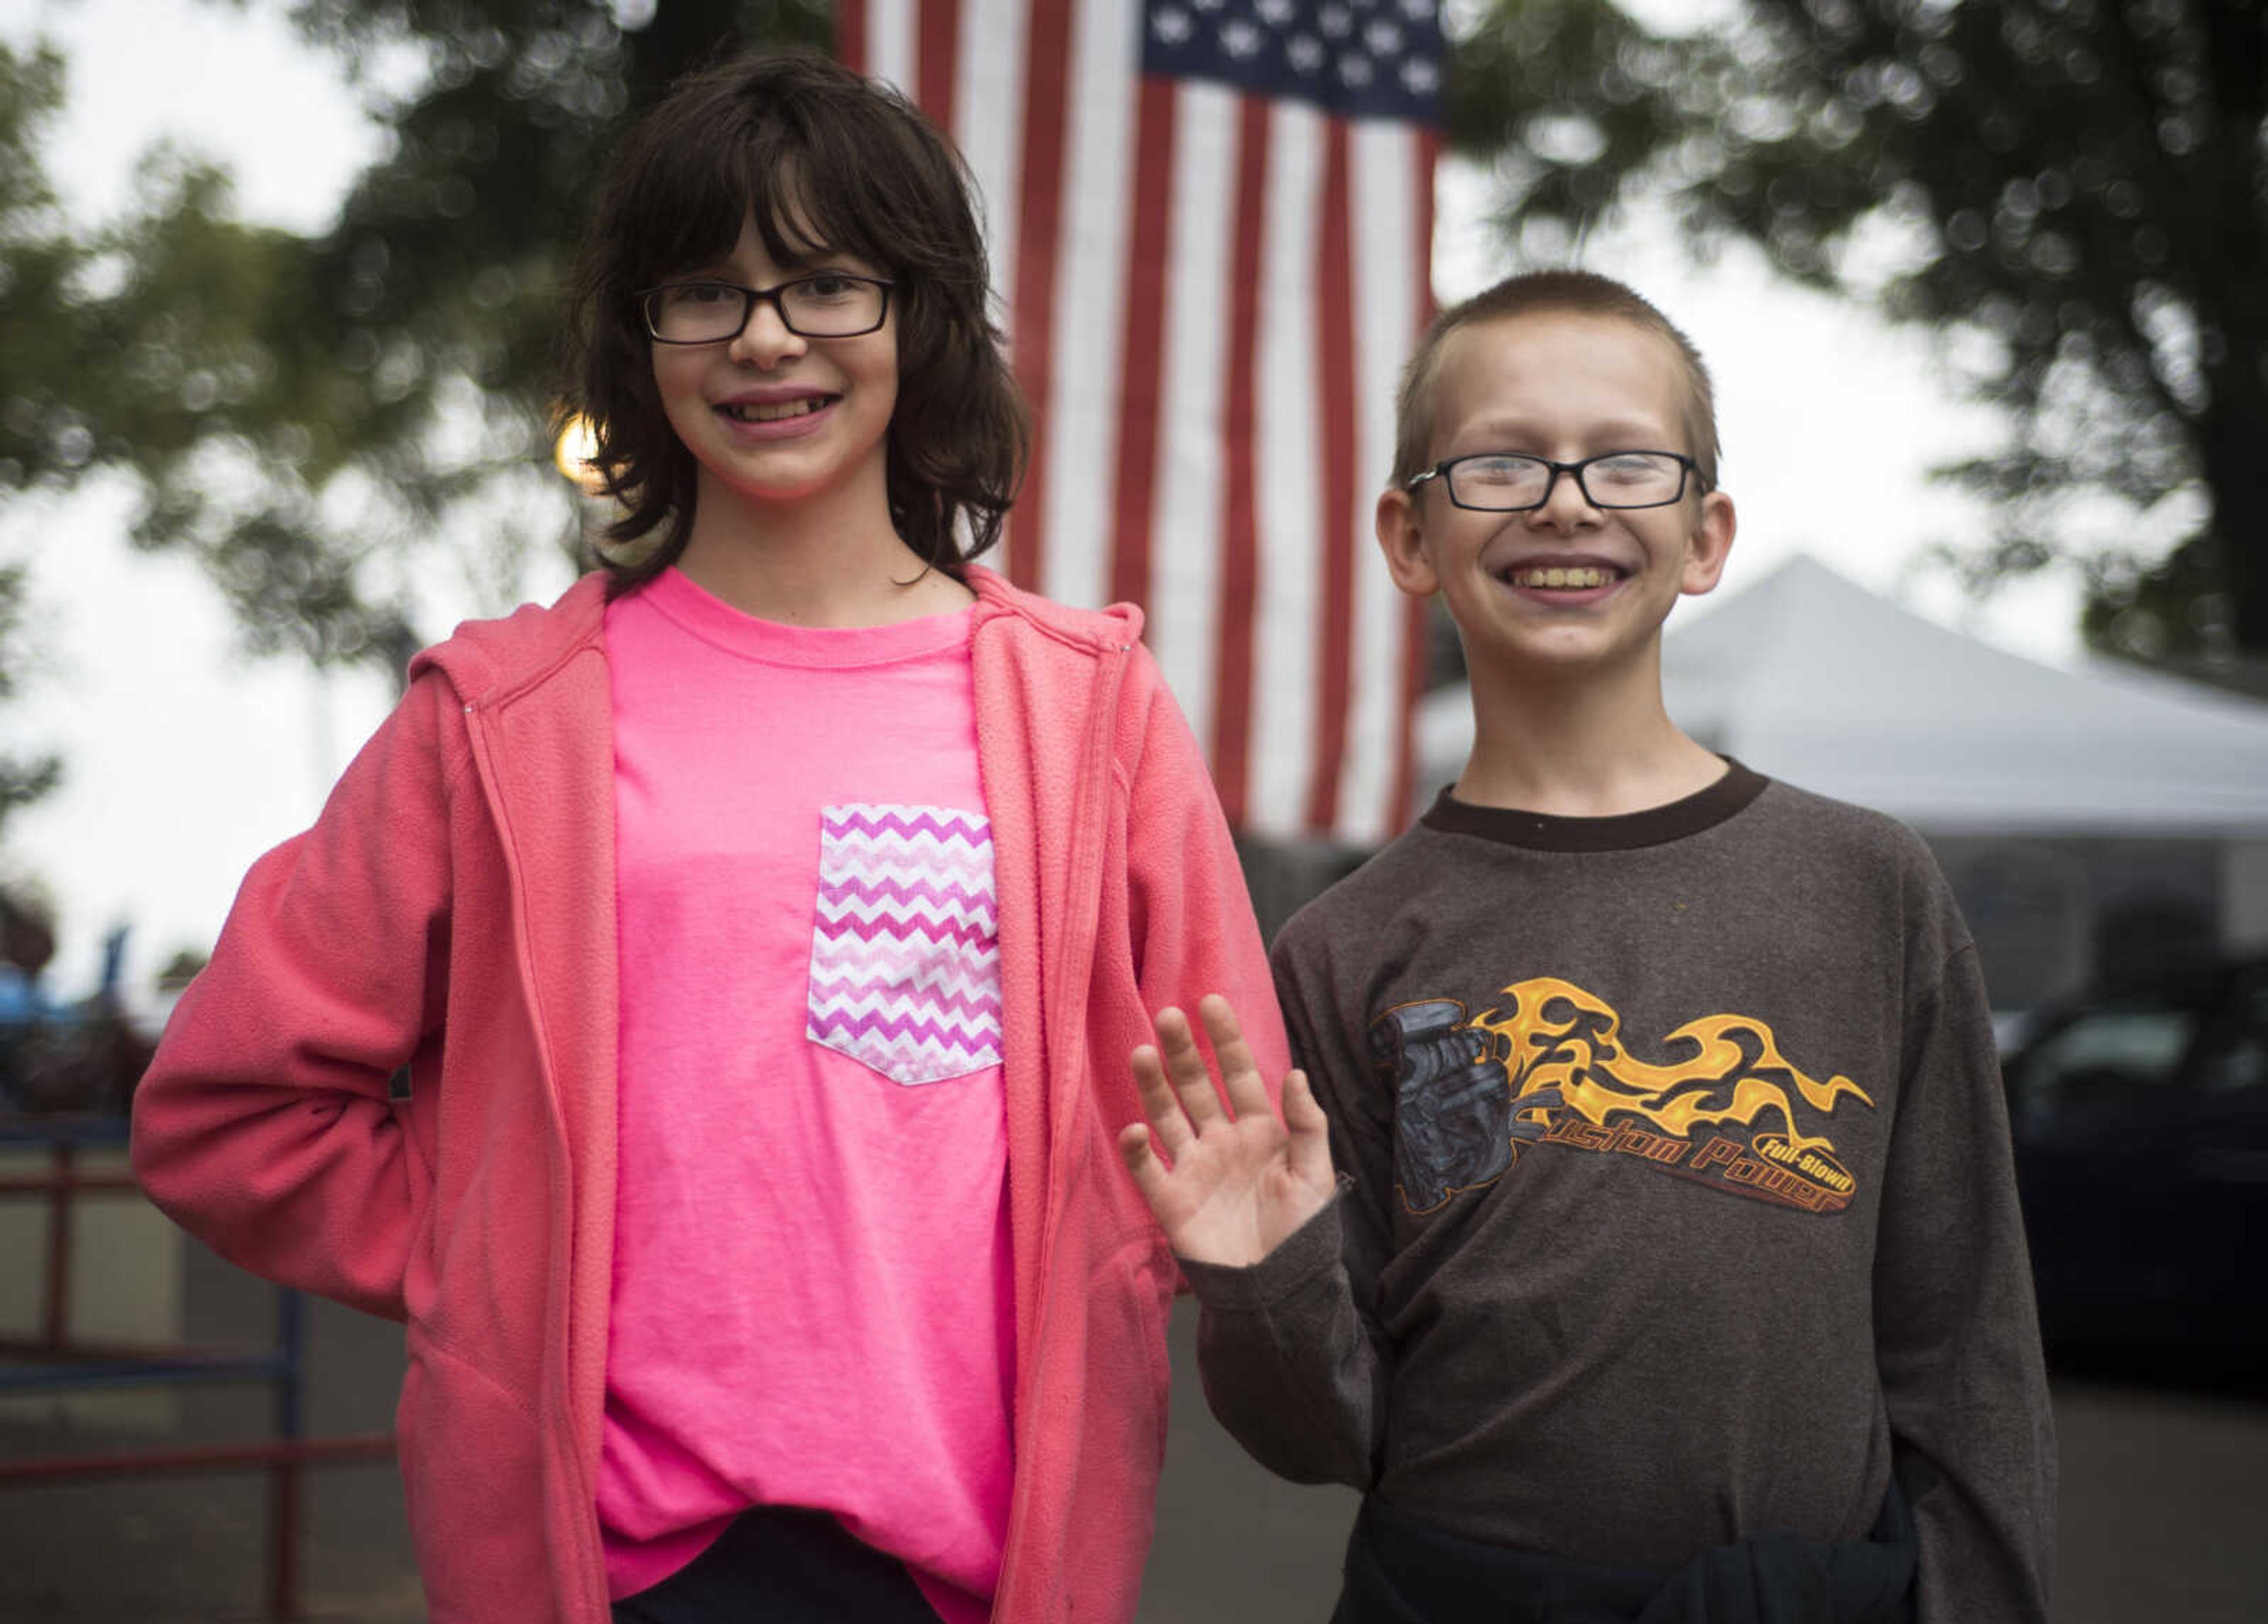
(1673, 1268)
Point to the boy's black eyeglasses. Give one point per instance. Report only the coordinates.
(1513, 482)
(824, 305)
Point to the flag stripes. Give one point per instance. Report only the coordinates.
(1209, 291)
(1237, 594)
(1039, 224)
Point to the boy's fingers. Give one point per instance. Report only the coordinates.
(1134, 1149)
(1310, 1130)
(1240, 1073)
(1152, 1179)
(1192, 1078)
(1302, 1113)
(1158, 1102)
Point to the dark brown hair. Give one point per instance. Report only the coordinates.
(824, 162)
(1566, 292)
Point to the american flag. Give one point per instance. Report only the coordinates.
(1211, 223)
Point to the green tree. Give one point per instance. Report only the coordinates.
(39, 434)
(324, 421)
(23, 779)
(172, 345)
(2077, 189)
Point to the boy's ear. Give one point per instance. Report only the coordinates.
(1709, 546)
(1403, 540)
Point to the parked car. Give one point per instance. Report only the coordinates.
(2139, 1117)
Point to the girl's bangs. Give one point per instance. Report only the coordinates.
(804, 209)
(686, 219)
(693, 218)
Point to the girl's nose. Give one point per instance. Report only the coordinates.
(764, 340)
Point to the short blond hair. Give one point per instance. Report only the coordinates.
(1567, 292)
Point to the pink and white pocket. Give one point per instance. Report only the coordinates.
(905, 945)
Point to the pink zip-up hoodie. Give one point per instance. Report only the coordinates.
(453, 910)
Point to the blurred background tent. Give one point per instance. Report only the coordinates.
(2091, 820)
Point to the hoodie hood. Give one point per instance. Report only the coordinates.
(1113, 628)
(487, 661)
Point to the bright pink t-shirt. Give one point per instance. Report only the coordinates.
(812, 1301)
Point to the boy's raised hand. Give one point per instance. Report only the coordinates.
(1237, 1184)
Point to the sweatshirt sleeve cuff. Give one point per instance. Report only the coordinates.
(1307, 1254)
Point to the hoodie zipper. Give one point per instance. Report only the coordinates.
(559, 1410)
(1088, 829)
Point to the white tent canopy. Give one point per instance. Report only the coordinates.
(1808, 677)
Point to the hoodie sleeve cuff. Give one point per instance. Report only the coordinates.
(1306, 1254)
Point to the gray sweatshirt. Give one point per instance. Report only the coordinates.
(1675, 1204)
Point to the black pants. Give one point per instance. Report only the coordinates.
(1400, 1570)
(782, 1565)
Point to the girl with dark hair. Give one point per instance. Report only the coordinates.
(757, 933)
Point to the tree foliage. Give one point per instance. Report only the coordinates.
(23, 778)
(2077, 190)
(322, 421)
(37, 264)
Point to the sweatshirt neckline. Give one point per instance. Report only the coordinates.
(701, 613)
(1656, 826)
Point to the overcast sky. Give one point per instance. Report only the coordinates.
(185, 761)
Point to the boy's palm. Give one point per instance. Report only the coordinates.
(1230, 1187)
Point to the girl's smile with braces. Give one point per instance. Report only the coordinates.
(775, 411)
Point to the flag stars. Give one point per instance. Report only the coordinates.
(1242, 38)
(1358, 58)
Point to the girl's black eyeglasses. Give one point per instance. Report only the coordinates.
(823, 304)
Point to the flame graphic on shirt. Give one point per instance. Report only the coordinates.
(1558, 1036)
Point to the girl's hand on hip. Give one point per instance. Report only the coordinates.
(1226, 1184)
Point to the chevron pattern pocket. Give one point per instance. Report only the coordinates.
(905, 946)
